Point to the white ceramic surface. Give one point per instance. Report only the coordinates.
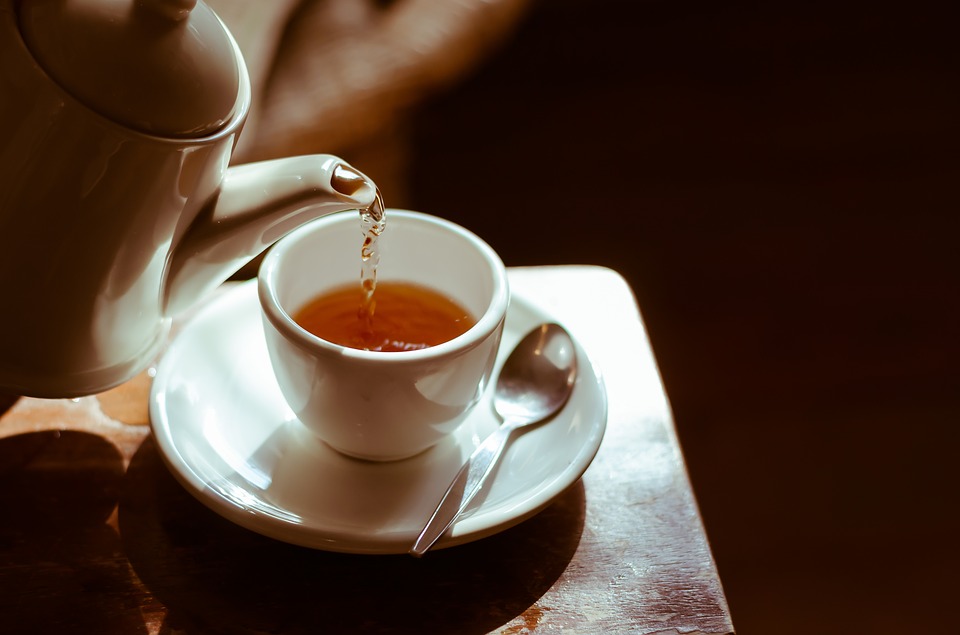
(229, 437)
(369, 404)
(165, 67)
(120, 229)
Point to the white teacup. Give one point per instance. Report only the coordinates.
(382, 405)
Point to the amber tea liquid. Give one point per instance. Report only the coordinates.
(405, 317)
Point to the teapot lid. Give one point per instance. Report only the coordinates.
(165, 67)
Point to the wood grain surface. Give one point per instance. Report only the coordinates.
(98, 537)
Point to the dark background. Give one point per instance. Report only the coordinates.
(779, 185)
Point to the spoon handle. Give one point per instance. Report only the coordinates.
(468, 481)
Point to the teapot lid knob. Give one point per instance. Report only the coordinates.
(164, 67)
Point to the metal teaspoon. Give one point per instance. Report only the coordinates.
(534, 384)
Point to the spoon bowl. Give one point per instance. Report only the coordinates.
(537, 378)
(534, 384)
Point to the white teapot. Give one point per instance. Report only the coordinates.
(117, 208)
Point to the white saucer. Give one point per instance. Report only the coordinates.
(228, 436)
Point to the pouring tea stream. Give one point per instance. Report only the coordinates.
(117, 206)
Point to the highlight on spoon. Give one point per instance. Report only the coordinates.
(554, 373)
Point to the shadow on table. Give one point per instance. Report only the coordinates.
(62, 567)
(213, 576)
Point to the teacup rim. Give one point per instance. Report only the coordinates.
(487, 324)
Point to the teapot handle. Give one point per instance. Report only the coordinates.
(258, 204)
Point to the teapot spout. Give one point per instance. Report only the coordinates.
(258, 204)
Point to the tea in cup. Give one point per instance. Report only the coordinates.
(392, 384)
(402, 317)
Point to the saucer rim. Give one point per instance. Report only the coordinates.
(479, 523)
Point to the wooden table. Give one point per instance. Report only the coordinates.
(98, 537)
